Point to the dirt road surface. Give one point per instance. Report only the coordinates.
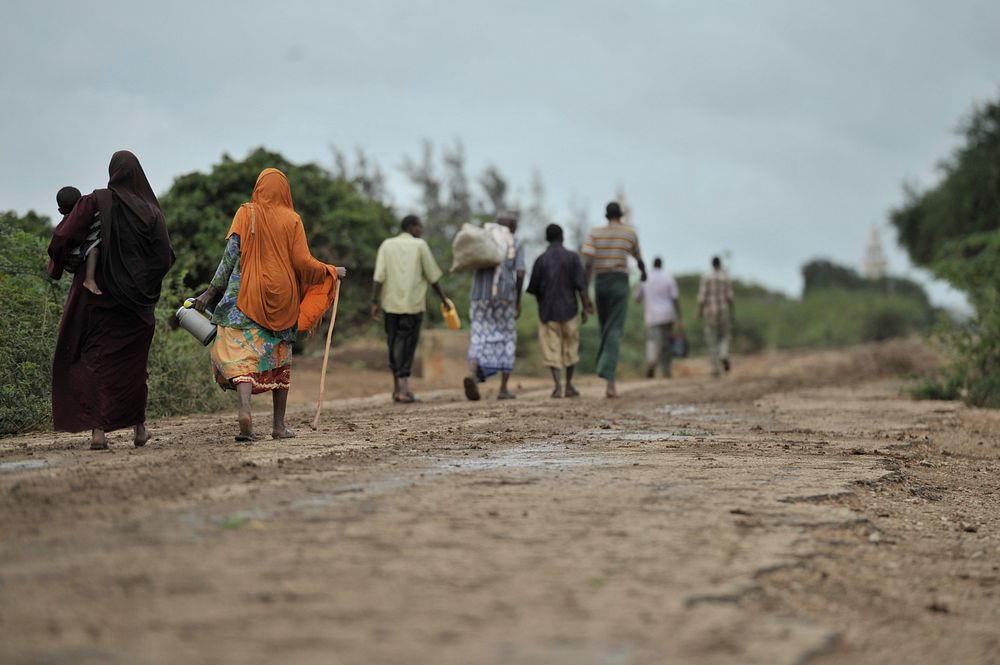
(801, 510)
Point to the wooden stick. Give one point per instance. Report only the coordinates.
(326, 355)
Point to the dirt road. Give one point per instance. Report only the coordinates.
(799, 511)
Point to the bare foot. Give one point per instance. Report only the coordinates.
(283, 433)
(471, 389)
(506, 394)
(572, 392)
(557, 393)
(91, 286)
(246, 428)
(142, 436)
(98, 441)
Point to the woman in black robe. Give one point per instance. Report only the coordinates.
(99, 370)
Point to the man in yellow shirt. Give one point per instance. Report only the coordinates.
(404, 267)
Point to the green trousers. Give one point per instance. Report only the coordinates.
(611, 291)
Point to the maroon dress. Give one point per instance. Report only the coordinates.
(99, 370)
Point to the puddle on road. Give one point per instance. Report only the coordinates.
(646, 437)
(697, 412)
(529, 457)
(23, 465)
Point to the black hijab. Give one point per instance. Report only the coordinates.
(135, 247)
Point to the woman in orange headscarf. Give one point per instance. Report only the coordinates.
(270, 288)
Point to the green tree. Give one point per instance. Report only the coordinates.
(953, 229)
(344, 225)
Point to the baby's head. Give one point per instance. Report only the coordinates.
(66, 198)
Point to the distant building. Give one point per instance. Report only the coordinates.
(874, 265)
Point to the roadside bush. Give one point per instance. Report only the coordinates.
(884, 323)
(180, 376)
(33, 305)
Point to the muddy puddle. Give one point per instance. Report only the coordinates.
(22, 465)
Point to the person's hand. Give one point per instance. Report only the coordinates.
(583, 316)
(590, 308)
(642, 276)
(518, 314)
(447, 304)
(201, 303)
(341, 272)
(375, 311)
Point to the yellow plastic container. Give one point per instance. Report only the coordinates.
(451, 316)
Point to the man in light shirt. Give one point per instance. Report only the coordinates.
(715, 309)
(663, 309)
(404, 267)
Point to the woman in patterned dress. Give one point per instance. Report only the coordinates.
(259, 284)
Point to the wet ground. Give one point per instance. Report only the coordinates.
(800, 511)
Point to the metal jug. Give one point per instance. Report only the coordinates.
(196, 323)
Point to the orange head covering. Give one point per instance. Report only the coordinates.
(276, 268)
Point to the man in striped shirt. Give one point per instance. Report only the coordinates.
(715, 309)
(606, 254)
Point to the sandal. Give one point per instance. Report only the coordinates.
(99, 445)
(244, 438)
(289, 433)
(572, 392)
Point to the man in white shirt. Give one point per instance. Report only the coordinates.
(663, 308)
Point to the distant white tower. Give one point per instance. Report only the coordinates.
(874, 265)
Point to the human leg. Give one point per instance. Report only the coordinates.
(654, 347)
(667, 348)
(724, 337)
(279, 429)
(409, 338)
(244, 414)
(89, 281)
(712, 341)
(557, 381)
(391, 323)
(612, 292)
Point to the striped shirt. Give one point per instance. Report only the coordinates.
(610, 246)
(714, 294)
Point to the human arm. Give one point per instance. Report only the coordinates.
(376, 298)
(701, 299)
(729, 298)
(637, 254)
(432, 273)
(440, 293)
(520, 269)
(70, 234)
(378, 279)
(308, 269)
(230, 257)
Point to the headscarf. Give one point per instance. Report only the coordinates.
(276, 267)
(135, 251)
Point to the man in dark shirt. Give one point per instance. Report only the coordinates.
(557, 280)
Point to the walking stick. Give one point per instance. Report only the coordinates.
(326, 355)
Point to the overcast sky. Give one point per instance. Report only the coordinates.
(776, 130)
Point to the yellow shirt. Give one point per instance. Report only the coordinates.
(404, 267)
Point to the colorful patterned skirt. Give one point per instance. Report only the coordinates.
(252, 355)
(493, 337)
